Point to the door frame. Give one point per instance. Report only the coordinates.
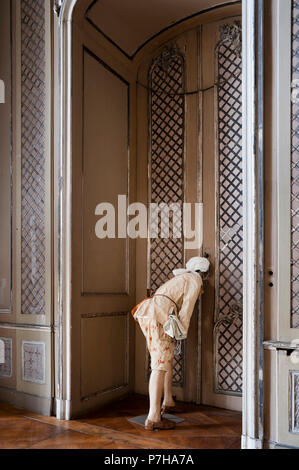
(253, 193)
(252, 40)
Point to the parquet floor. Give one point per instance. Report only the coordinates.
(204, 428)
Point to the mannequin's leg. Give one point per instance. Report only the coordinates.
(156, 384)
(168, 398)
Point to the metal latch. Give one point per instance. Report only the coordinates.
(290, 347)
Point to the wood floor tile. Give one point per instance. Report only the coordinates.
(109, 428)
(125, 440)
(77, 440)
(8, 411)
(227, 424)
(23, 433)
(213, 442)
(186, 429)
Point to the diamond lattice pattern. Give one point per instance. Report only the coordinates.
(295, 172)
(229, 357)
(167, 108)
(229, 336)
(33, 156)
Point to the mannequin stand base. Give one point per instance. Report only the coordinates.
(141, 419)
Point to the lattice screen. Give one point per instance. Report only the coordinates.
(295, 172)
(33, 156)
(229, 266)
(167, 135)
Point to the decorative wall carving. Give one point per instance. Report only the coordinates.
(6, 367)
(34, 362)
(232, 34)
(229, 232)
(33, 104)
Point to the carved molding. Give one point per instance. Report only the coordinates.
(57, 6)
(294, 402)
(231, 33)
(252, 105)
(168, 54)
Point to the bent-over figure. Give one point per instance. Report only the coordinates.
(165, 318)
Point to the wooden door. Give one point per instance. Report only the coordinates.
(103, 269)
(192, 153)
(167, 167)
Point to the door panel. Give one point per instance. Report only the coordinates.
(288, 393)
(104, 349)
(222, 197)
(281, 230)
(105, 174)
(103, 269)
(168, 165)
(209, 368)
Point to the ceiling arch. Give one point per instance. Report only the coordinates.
(130, 24)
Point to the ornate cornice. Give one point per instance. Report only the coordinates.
(231, 33)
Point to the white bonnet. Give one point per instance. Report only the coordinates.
(194, 264)
(198, 264)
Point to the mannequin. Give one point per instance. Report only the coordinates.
(163, 318)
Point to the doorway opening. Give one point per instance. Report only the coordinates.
(165, 125)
